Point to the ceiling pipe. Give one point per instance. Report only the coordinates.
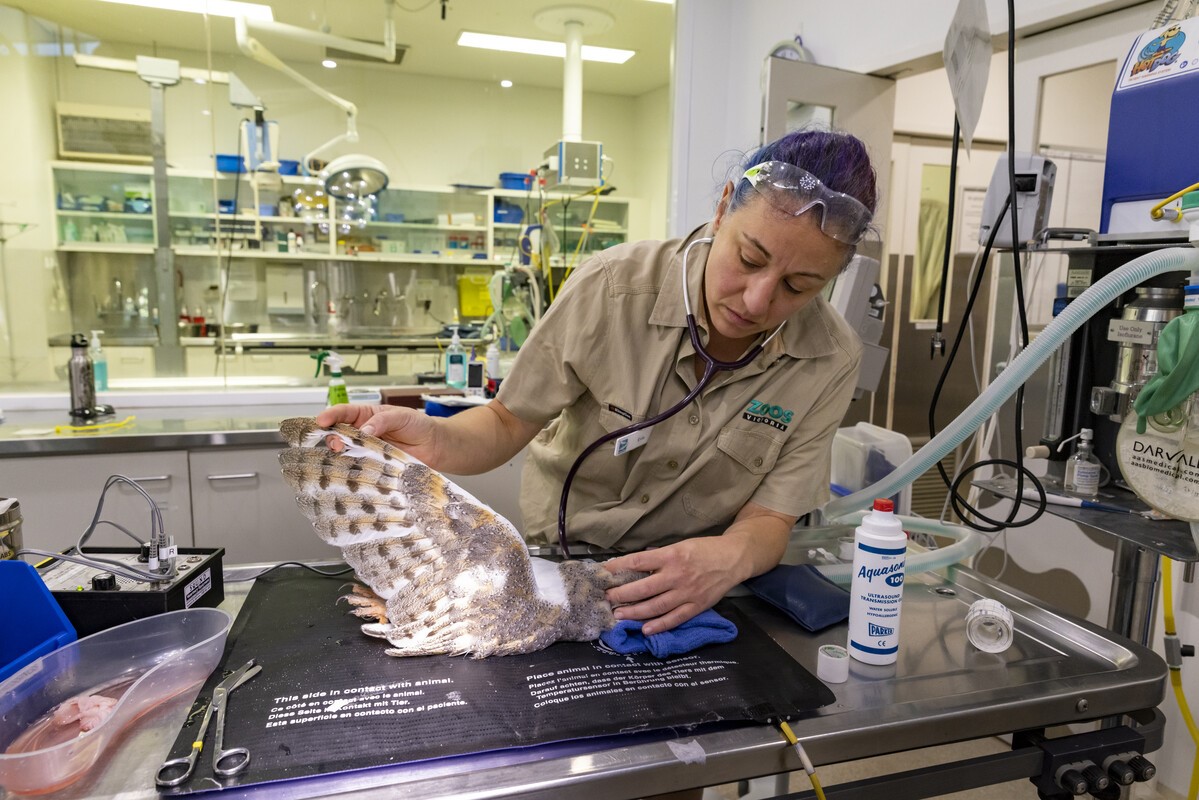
(571, 22)
(572, 83)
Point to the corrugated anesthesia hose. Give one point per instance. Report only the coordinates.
(968, 543)
(1105, 291)
(1176, 670)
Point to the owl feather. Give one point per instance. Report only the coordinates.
(445, 573)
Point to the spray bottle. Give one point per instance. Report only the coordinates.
(879, 553)
(99, 362)
(1082, 468)
(455, 363)
(337, 384)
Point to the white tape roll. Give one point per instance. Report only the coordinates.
(989, 626)
(845, 548)
(832, 664)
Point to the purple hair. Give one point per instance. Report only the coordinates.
(838, 159)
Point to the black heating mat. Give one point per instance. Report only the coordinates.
(329, 700)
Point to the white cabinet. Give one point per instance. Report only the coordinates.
(227, 497)
(240, 503)
(59, 494)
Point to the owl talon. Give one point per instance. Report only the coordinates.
(367, 604)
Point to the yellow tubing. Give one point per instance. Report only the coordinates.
(1176, 674)
(1156, 211)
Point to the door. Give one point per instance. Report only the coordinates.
(796, 94)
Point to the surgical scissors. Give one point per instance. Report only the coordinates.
(237, 758)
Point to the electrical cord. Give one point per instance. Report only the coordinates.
(281, 564)
(793, 740)
(75, 554)
(938, 342)
(961, 505)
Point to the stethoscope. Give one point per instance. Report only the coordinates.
(711, 367)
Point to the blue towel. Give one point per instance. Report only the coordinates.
(706, 628)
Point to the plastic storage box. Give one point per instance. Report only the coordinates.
(864, 455)
(228, 163)
(41, 627)
(140, 664)
(515, 180)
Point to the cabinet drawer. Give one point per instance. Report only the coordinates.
(59, 494)
(241, 503)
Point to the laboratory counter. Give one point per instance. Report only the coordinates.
(166, 421)
(1058, 670)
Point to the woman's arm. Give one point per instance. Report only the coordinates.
(468, 443)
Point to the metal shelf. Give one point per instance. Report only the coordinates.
(1168, 537)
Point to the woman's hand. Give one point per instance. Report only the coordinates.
(689, 577)
(406, 428)
(686, 579)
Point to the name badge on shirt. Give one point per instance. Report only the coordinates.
(630, 442)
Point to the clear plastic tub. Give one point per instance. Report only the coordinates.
(139, 665)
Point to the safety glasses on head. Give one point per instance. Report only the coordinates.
(793, 190)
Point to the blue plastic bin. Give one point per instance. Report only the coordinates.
(508, 212)
(436, 409)
(37, 625)
(287, 167)
(515, 180)
(228, 163)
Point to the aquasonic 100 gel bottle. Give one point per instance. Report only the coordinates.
(879, 553)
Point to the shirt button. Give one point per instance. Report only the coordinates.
(645, 498)
(694, 419)
(757, 462)
(672, 464)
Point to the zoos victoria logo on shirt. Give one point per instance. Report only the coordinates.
(774, 416)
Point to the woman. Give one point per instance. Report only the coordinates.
(715, 489)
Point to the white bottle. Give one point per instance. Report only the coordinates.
(1082, 469)
(455, 363)
(99, 362)
(493, 362)
(880, 550)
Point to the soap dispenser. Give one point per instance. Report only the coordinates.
(455, 363)
(99, 362)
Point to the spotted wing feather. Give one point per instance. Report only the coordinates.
(454, 575)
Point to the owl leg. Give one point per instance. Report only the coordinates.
(366, 604)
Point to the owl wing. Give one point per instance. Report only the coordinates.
(449, 568)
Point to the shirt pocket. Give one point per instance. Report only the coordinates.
(739, 463)
(611, 420)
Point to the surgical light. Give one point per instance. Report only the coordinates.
(541, 47)
(216, 8)
(354, 176)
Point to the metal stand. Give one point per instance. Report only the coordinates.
(1134, 591)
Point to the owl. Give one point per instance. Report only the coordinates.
(443, 573)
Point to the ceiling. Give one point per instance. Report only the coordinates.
(643, 26)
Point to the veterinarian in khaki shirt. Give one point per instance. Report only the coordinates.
(746, 458)
(614, 350)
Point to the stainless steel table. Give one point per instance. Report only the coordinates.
(942, 690)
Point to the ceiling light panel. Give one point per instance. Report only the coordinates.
(216, 8)
(540, 47)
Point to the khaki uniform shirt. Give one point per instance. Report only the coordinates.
(613, 349)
